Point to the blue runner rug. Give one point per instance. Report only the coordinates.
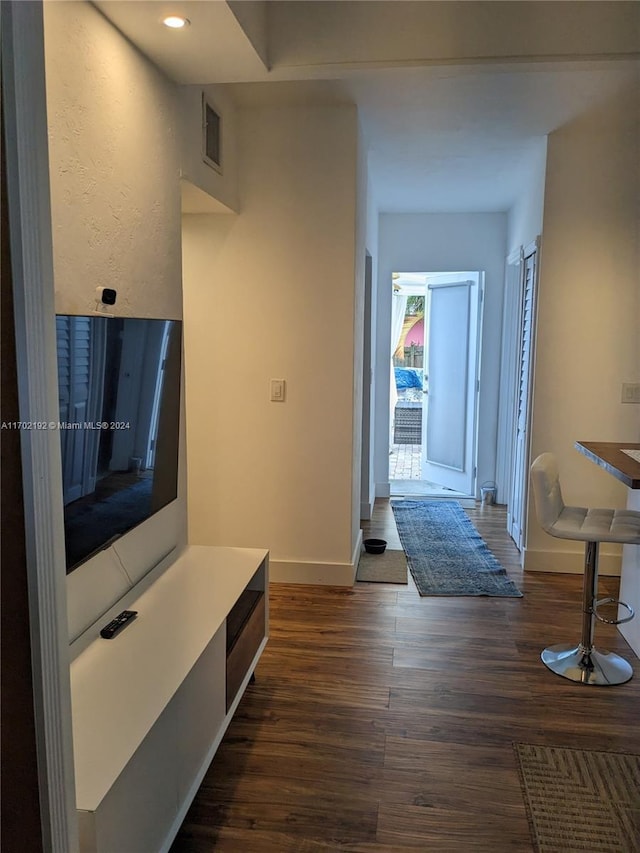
(446, 554)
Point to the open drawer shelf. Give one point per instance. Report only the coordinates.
(245, 632)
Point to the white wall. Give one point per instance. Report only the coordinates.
(252, 16)
(223, 185)
(388, 32)
(114, 168)
(588, 313)
(270, 294)
(115, 204)
(442, 243)
(524, 226)
(524, 222)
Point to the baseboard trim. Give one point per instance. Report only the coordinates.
(366, 510)
(569, 562)
(357, 550)
(320, 574)
(383, 490)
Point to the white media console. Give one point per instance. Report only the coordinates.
(151, 705)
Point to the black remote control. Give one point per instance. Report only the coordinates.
(116, 625)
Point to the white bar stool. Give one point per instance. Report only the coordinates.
(584, 663)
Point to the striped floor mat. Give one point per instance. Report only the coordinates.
(578, 800)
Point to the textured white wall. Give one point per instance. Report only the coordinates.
(270, 294)
(431, 242)
(114, 155)
(588, 309)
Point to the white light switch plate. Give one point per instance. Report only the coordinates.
(277, 390)
(631, 392)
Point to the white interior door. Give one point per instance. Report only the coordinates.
(517, 506)
(451, 366)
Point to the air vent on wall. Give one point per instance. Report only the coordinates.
(211, 136)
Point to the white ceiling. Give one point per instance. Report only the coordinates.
(213, 49)
(441, 139)
(450, 140)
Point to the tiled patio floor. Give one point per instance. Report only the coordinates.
(405, 473)
(405, 461)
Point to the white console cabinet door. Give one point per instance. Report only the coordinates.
(200, 712)
(139, 809)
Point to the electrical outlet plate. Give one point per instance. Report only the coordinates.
(631, 392)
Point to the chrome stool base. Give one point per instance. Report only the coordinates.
(578, 663)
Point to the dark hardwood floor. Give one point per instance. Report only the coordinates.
(383, 722)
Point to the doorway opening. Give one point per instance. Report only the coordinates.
(434, 383)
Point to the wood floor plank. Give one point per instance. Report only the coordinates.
(383, 722)
(451, 831)
(328, 692)
(324, 819)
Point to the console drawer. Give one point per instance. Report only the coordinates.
(243, 644)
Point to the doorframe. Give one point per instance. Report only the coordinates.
(26, 136)
(472, 385)
(444, 277)
(531, 249)
(514, 266)
(368, 391)
(21, 821)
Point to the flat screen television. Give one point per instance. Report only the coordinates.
(119, 393)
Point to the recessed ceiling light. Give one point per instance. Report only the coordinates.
(176, 22)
